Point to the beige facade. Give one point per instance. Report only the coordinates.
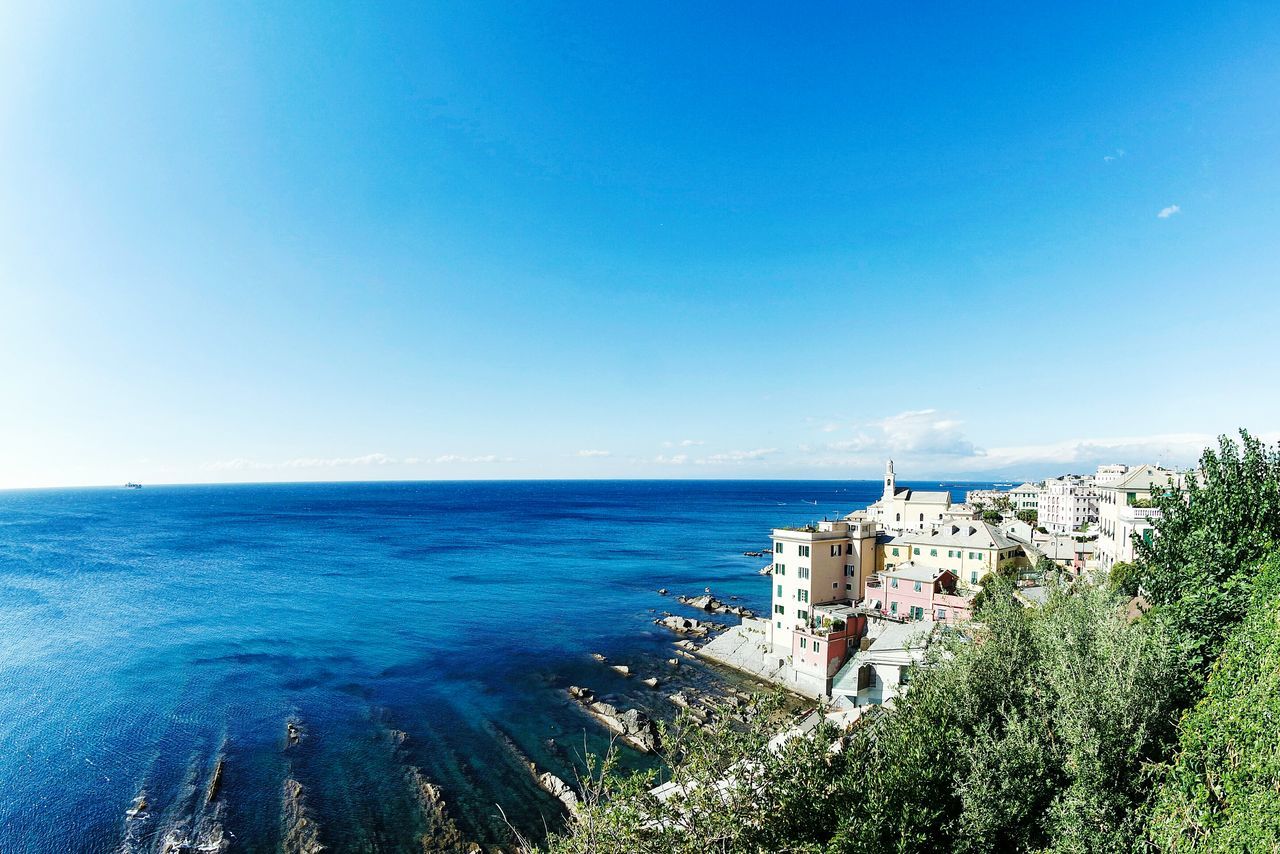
(1121, 516)
(827, 562)
(970, 550)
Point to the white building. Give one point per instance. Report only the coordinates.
(1067, 503)
(1122, 514)
(1109, 474)
(985, 497)
(1025, 497)
(902, 508)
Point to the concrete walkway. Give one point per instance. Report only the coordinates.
(749, 651)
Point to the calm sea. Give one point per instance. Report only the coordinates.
(146, 633)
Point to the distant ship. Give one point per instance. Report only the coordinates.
(132, 485)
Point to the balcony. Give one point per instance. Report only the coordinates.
(1129, 513)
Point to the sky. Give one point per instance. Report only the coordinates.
(266, 242)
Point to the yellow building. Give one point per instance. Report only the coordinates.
(969, 549)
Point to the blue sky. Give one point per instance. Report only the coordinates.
(741, 240)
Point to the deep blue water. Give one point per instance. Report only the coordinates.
(144, 633)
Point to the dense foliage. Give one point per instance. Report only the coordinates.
(1030, 735)
(1069, 727)
(1222, 792)
(1199, 567)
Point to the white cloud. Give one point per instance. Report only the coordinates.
(1165, 213)
(921, 432)
(1111, 158)
(1083, 455)
(684, 443)
(242, 464)
(738, 456)
(594, 453)
(673, 460)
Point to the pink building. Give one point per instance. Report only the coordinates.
(820, 649)
(913, 591)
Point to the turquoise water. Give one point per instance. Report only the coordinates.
(146, 633)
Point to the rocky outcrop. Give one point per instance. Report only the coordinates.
(558, 788)
(598, 657)
(633, 725)
(441, 833)
(652, 681)
(293, 733)
(688, 625)
(301, 833)
(711, 604)
(623, 669)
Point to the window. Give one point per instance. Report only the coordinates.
(848, 572)
(778, 609)
(802, 595)
(835, 551)
(893, 582)
(779, 591)
(802, 615)
(804, 551)
(933, 552)
(835, 585)
(779, 623)
(895, 551)
(777, 548)
(973, 577)
(942, 615)
(804, 643)
(816, 646)
(893, 607)
(916, 587)
(779, 569)
(949, 554)
(802, 572)
(915, 551)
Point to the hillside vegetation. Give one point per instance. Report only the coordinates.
(1069, 727)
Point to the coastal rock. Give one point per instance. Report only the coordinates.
(662, 591)
(582, 695)
(623, 669)
(441, 832)
(652, 681)
(674, 662)
(292, 733)
(633, 725)
(559, 789)
(301, 833)
(684, 625)
(598, 657)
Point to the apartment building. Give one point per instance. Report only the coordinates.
(969, 550)
(1066, 503)
(817, 564)
(1124, 511)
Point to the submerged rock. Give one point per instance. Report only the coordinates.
(442, 832)
(301, 833)
(623, 669)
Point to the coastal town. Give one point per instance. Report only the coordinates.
(856, 601)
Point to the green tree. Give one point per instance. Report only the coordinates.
(1198, 569)
(1031, 517)
(1220, 794)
